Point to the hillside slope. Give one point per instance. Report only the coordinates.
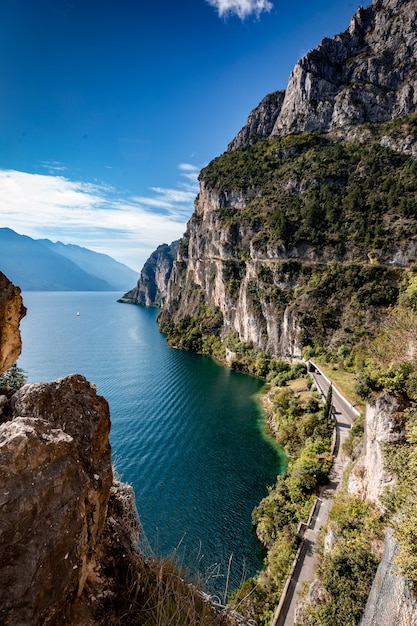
(302, 231)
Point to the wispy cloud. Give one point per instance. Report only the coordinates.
(241, 8)
(95, 216)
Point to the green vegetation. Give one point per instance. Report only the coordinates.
(14, 377)
(347, 570)
(197, 332)
(304, 428)
(308, 188)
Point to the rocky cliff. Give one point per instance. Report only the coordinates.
(66, 524)
(11, 312)
(370, 477)
(152, 285)
(391, 600)
(306, 202)
(365, 74)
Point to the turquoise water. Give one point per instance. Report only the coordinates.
(187, 433)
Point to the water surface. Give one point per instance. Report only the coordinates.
(187, 433)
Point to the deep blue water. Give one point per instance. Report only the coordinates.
(187, 433)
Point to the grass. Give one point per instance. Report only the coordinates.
(343, 381)
(300, 388)
(158, 595)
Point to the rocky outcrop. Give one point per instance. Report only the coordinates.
(209, 266)
(56, 477)
(370, 477)
(66, 526)
(366, 74)
(152, 285)
(391, 600)
(261, 121)
(11, 312)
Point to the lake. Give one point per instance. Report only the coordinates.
(187, 433)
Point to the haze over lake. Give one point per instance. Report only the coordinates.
(187, 433)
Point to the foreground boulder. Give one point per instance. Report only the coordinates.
(55, 481)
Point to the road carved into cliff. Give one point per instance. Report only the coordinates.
(304, 566)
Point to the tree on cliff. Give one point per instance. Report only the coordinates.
(14, 377)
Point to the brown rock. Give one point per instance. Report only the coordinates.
(11, 312)
(55, 480)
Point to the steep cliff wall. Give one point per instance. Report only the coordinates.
(391, 600)
(370, 476)
(11, 312)
(152, 285)
(282, 214)
(365, 74)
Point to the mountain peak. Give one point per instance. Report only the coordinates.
(368, 73)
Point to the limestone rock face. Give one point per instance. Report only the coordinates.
(391, 601)
(261, 121)
(369, 478)
(366, 74)
(152, 285)
(209, 264)
(55, 476)
(11, 312)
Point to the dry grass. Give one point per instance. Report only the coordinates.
(344, 382)
(299, 386)
(158, 594)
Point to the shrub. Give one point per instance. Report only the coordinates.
(14, 377)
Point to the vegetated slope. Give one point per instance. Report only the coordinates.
(297, 240)
(303, 227)
(42, 266)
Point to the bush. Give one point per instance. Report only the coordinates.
(14, 377)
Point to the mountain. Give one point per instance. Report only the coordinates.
(103, 266)
(305, 225)
(303, 244)
(365, 74)
(40, 265)
(152, 285)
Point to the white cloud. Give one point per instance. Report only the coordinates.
(94, 216)
(241, 8)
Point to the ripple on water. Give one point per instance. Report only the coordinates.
(185, 431)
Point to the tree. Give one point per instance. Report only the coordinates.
(14, 377)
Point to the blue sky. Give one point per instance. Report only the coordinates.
(110, 108)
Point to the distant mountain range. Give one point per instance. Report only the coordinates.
(41, 265)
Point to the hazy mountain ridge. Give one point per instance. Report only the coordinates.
(40, 265)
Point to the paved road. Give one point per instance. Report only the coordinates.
(304, 572)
